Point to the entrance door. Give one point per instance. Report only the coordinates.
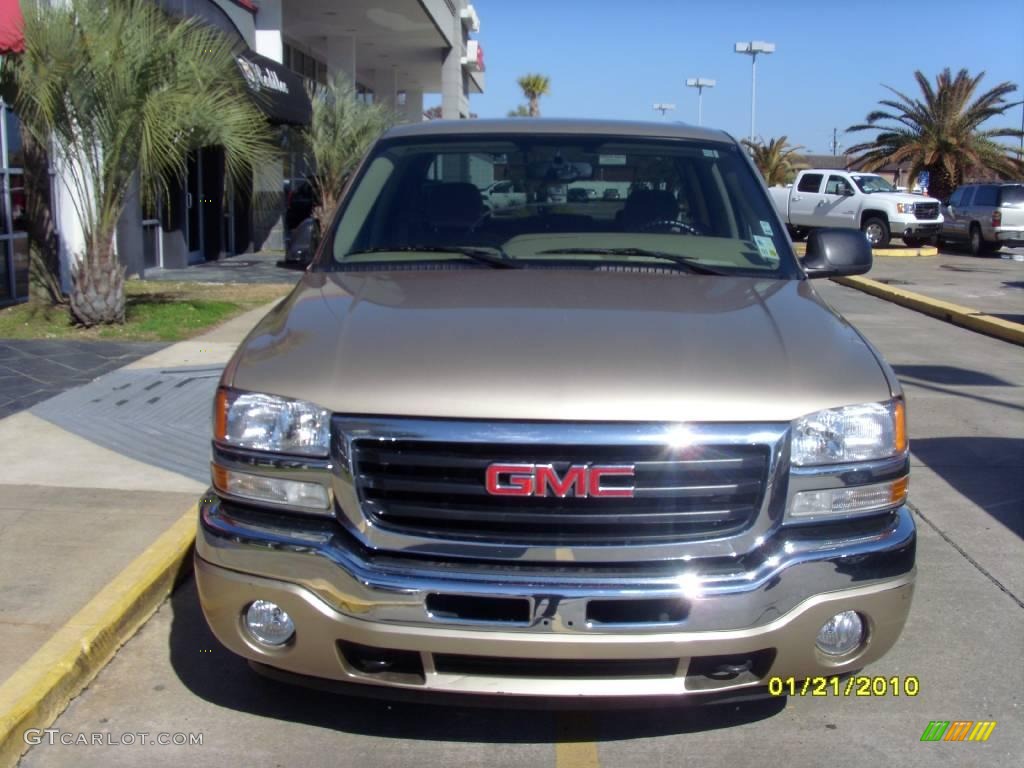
(211, 188)
(193, 208)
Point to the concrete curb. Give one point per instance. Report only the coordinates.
(965, 317)
(44, 685)
(905, 253)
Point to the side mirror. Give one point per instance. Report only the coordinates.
(847, 192)
(834, 252)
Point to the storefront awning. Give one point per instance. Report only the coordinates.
(278, 91)
(12, 38)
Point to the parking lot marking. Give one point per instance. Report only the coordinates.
(575, 747)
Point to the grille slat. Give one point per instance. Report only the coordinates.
(476, 487)
(437, 490)
(554, 518)
(926, 210)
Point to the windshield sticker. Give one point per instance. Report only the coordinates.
(611, 159)
(710, 153)
(767, 247)
(766, 228)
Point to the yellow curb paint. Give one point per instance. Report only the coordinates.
(576, 754)
(965, 317)
(575, 747)
(912, 253)
(906, 253)
(42, 687)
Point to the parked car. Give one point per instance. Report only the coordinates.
(578, 195)
(301, 231)
(502, 195)
(985, 216)
(302, 242)
(655, 463)
(611, 194)
(301, 197)
(864, 201)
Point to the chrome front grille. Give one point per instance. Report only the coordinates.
(926, 210)
(419, 486)
(437, 490)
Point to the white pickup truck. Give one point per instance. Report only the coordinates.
(865, 201)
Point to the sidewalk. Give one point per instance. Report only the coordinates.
(261, 267)
(93, 476)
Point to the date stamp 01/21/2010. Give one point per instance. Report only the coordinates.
(855, 685)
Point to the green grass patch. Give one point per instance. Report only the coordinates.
(154, 311)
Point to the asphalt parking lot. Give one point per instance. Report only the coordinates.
(963, 641)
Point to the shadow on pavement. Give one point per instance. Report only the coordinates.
(1009, 317)
(221, 678)
(951, 374)
(985, 470)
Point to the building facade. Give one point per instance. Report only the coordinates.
(395, 51)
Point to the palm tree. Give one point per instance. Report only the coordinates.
(342, 130)
(120, 91)
(534, 86)
(941, 131)
(776, 160)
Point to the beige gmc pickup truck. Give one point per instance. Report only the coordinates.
(569, 447)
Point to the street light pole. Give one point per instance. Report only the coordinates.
(700, 83)
(752, 49)
(663, 108)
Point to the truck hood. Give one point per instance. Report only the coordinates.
(900, 197)
(558, 345)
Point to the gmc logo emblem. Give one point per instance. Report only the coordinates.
(580, 480)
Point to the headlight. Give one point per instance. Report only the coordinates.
(905, 207)
(271, 423)
(852, 433)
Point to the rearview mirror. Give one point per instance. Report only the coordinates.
(834, 252)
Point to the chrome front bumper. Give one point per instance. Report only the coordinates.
(769, 605)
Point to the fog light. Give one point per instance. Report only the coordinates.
(841, 634)
(268, 623)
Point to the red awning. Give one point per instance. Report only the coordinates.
(12, 38)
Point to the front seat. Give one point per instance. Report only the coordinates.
(646, 206)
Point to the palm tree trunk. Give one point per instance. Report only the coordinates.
(97, 294)
(534, 106)
(940, 183)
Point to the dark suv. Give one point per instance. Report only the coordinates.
(301, 228)
(985, 216)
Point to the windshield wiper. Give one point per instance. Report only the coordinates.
(501, 260)
(691, 264)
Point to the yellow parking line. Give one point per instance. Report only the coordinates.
(575, 747)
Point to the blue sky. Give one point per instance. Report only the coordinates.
(608, 58)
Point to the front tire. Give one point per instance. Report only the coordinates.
(876, 230)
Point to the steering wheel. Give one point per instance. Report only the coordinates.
(675, 226)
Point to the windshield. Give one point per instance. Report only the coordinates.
(869, 184)
(586, 202)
